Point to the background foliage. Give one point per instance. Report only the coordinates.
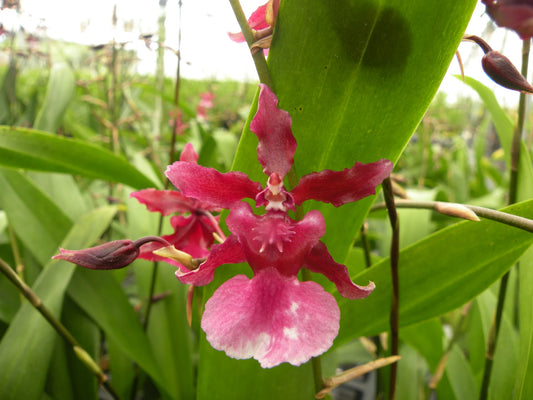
(80, 133)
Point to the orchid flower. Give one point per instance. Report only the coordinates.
(261, 23)
(513, 14)
(193, 234)
(274, 317)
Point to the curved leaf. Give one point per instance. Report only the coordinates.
(42, 151)
(437, 274)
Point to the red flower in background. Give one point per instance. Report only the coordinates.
(513, 14)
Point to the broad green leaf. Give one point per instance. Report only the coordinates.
(28, 207)
(356, 77)
(59, 93)
(25, 355)
(460, 376)
(42, 151)
(524, 383)
(437, 274)
(426, 338)
(100, 295)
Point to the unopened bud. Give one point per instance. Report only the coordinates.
(111, 255)
(499, 68)
(456, 210)
(502, 71)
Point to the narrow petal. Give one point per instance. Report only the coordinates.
(165, 202)
(272, 318)
(210, 186)
(229, 252)
(341, 187)
(274, 239)
(273, 129)
(319, 260)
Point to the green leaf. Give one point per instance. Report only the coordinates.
(505, 130)
(42, 151)
(59, 93)
(437, 274)
(27, 206)
(100, 295)
(27, 345)
(460, 376)
(524, 383)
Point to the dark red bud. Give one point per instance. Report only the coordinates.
(500, 69)
(111, 255)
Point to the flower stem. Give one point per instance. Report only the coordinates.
(494, 215)
(395, 296)
(258, 57)
(513, 191)
(36, 302)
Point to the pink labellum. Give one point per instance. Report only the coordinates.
(273, 129)
(272, 318)
(210, 186)
(341, 187)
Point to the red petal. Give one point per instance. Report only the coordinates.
(229, 252)
(165, 201)
(272, 318)
(256, 21)
(273, 129)
(210, 186)
(341, 187)
(320, 261)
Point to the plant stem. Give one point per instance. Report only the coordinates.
(513, 194)
(494, 215)
(395, 296)
(36, 302)
(258, 57)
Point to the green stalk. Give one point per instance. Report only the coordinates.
(395, 295)
(494, 215)
(513, 190)
(258, 57)
(37, 303)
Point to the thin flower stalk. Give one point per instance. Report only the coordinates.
(37, 303)
(395, 295)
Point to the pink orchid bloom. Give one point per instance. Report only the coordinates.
(205, 103)
(193, 234)
(274, 317)
(262, 18)
(513, 14)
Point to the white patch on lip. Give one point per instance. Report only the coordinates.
(294, 307)
(291, 333)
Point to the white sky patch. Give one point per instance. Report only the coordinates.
(207, 52)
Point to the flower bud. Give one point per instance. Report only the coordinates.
(111, 255)
(500, 69)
